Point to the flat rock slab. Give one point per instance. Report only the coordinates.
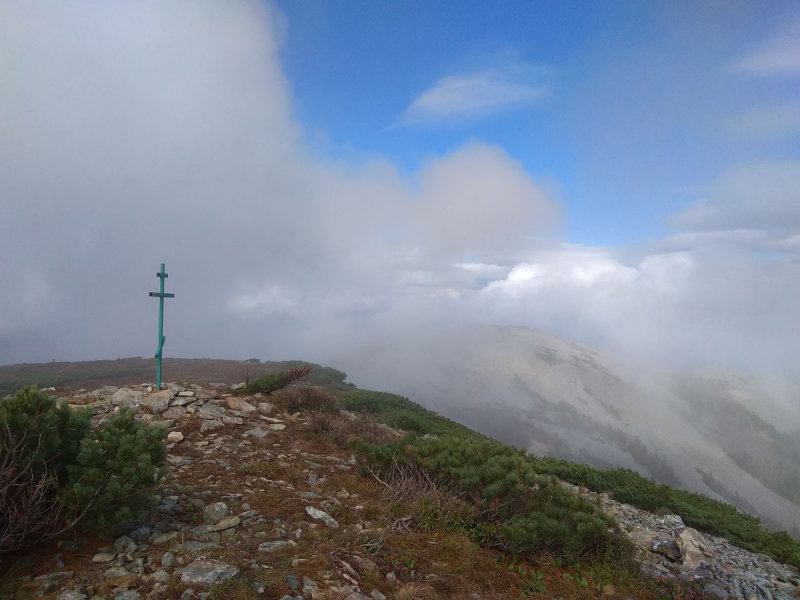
(192, 547)
(226, 523)
(240, 405)
(127, 397)
(182, 401)
(256, 433)
(207, 572)
(272, 546)
(210, 426)
(211, 412)
(175, 436)
(320, 515)
(104, 557)
(157, 402)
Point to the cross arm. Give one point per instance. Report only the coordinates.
(161, 295)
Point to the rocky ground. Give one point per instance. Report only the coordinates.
(256, 506)
(670, 549)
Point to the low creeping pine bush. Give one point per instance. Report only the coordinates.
(532, 513)
(625, 485)
(275, 381)
(67, 471)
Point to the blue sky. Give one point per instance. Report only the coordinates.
(636, 114)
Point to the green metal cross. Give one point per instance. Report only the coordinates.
(161, 339)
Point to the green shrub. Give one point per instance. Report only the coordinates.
(114, 470)
(535, 514)
(98, 475)
(52, 434)
(625, 485)
(319, 375)
(275, 381)
(402, 413)
(696, 510)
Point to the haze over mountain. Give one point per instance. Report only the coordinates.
(319, 175)
(322, 178)
(727, 436)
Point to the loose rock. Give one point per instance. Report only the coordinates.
(320, 515)
(207, 572)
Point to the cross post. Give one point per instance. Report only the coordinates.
(161, 339)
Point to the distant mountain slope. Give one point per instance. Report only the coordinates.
(724, 436)
(135, 370)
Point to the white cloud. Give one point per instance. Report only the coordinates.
(567, 266)
(477, 199)
(778, 55)
(751, 196)
(162, 132)
(478, 94)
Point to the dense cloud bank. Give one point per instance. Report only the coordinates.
(146, 132)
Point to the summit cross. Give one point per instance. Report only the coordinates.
(161, 339)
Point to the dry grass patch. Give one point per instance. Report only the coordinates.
(233, 589)
(414, 591)
(344, 426)
(305, 399)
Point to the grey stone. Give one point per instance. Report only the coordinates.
(668, 548)
(714, 590)
(127, 595)
(240, 405)
(309, 585)
(272, 546)
(163, 538)
(214, 513)
(104, 557)
(160, 576)
(210, 425)
(226, 523)
(265, 408)
(168, 560)
(364, 565)
(376, 595)
(175, 436)
(141, 534)
(191, 547)
(316, 513)
(292, 581)
(127, 397)
(157, 402)
(71, 595)
(211, 412)
(256, 433)
(116, 572)
(125, 545)
(182, 401)
(207, 572)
